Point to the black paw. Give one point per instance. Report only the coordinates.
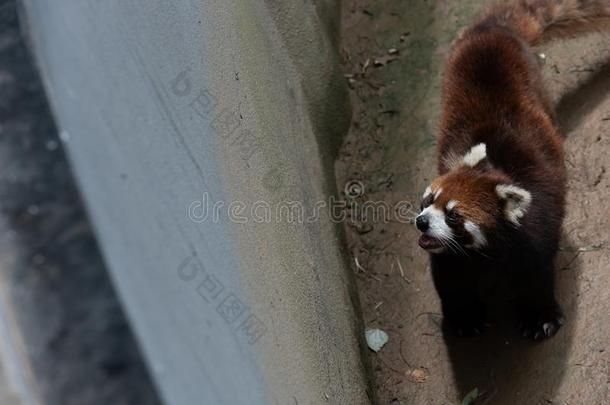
(467, 326)
(541, 325)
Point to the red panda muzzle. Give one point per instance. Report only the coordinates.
(429, 243)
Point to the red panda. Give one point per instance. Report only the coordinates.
(498, 204)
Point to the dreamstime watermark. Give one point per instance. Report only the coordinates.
(298, 212)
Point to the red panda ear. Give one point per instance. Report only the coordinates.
(516, 201)
(476, 155)
(475, 158)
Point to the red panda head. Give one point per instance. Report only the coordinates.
(463, 208)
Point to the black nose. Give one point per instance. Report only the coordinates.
(422, 223)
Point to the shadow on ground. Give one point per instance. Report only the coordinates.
(576, 105)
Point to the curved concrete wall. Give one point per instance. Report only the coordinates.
(175, 115)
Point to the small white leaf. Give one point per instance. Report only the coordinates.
(376, 339)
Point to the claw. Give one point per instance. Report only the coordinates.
(540, 326)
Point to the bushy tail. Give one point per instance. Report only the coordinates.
(539, 21)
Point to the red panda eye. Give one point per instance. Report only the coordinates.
(426, 202)
(453, 216)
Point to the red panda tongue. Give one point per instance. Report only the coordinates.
(428, 242)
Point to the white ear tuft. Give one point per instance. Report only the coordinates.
(428, 191)
(452, 161)
(475, 155)
(517, 201)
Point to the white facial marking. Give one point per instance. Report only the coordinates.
(475, 155)
(517, 201)
(428, 191)
(438, 192)
(437, 226)
(452, 204)
(478, 239)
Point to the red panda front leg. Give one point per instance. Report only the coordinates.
(539, 313)
(457, 286)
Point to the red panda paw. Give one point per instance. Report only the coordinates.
(541, 325)
(468, 325)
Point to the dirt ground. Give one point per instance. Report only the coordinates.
(393, 53)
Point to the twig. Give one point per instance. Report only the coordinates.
(402, 271)
(402, 355)
(358, 266)
(427, 313)
(567, 266)
(362, 269)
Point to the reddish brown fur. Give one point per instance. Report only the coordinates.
(492, 95)
(475, 194)
(536, 21)
(492, 76)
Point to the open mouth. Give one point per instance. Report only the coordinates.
(428, 242)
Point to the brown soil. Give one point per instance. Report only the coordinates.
(391, 148)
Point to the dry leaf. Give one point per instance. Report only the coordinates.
(376, 339)
(418, 375)
(471, 397)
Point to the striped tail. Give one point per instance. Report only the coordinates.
(537, 21)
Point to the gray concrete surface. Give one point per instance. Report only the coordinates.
(64, 339)
(163, 105)
(8, 396)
